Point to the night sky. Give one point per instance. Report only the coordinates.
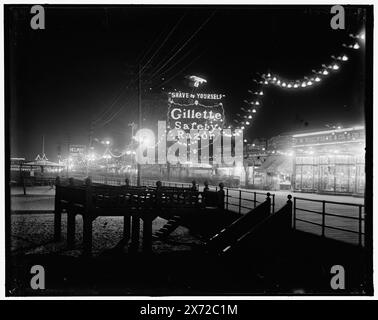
(85, 61)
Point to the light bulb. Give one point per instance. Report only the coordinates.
(356, 46)
(344, 58)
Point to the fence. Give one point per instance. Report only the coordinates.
(346, 226)
(237, 200)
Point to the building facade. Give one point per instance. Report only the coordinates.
(330, 161)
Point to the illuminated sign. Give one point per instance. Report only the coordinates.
(77, 149)
(195, 111)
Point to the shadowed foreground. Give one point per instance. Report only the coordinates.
(300, 263)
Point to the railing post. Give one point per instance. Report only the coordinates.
(57, 212)
(269, 200)
(87, 219)
(227, 198)
(323, 218)
(239, 201)
(274, 203)
(290, 209)
(254, 199)
(360, 225)
(295, 214)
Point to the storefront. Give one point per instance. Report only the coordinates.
(331, 161)
(274, 173)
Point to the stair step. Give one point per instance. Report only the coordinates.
(169, 225)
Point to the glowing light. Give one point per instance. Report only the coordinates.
(356, 46)
(197, 81)
(242, 127)
(335, 66)
(344, 58)
(317, 79)
(249, 117)
(279, 82)
(325, 72)
(289, 85)
(309, 83)
(257, 103)
(296, 85)
(284, 84)
(254, 110)
(245, 140)
(304, 84)
(261, 93)
(274, 79)
(362, 36)
(247, 123)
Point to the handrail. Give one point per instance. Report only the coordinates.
(331, 202)
(325, 214)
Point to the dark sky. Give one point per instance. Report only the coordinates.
(85, 60)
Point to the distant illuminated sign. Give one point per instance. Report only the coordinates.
(77, 149)
(195, 111)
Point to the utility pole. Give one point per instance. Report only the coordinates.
(43, 145)
(140, 116)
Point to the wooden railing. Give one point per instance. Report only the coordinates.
(133, 203)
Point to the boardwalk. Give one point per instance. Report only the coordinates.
(42, 198)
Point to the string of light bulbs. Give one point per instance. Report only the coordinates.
(244, 119)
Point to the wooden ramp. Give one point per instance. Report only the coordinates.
(230, 234)
(266, 230)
